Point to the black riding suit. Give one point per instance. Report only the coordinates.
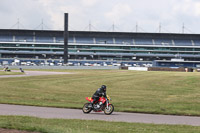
(99, 93)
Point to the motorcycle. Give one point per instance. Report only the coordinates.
(103, 104)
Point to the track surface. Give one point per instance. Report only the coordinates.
(48, 112)
(33, 73)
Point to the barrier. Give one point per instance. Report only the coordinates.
(166, 69)
(138, 68)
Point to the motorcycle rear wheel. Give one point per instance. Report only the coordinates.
(85, 109)
(109, 110)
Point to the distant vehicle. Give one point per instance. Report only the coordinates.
(13, 63)
(96, 64)
(42, 63)
(51, 64)
(149, 65)
(136, 65)
(116, 64)
(87, 64)
(46, 63)
(59, 64)
(104, 64)
(127, 65)
(23, 63)
(28, 63)
(70, 64)
(33, 64)
(5, 63)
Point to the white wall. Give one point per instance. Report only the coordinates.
(138, 68)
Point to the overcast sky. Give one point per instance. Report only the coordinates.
(102, 14)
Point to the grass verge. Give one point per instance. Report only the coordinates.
(88, 126)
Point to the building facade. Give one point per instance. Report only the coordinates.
(98, 46)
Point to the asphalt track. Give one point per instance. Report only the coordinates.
(61, 113)
(33, 73)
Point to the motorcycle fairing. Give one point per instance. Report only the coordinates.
(89, 99)
(101, 99)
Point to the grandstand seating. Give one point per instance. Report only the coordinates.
(140, 41)
(6, 38)
(183, 42)
(88, 40)
(104, 40)
(23, 39)
(164, 42)
(59, 39)
(123, 40)
(44, 39)
(196, 42)
(70, 40)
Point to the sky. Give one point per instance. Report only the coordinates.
(167, 16)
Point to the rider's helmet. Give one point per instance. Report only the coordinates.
(103, 87)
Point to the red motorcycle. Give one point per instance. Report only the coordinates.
(102, 104)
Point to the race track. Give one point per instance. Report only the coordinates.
(33, 73)
(61, 113)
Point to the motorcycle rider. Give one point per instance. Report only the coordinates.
(99, 93)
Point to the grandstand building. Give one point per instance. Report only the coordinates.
(99, 47)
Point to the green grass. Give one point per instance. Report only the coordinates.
(132, 91)
(10, 73)
(88, 126)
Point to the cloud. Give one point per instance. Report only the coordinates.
(56, 10)
(188, 7)
(118, 12)
(29, 12)
(102, 14)
(197, 9)
(89, 3)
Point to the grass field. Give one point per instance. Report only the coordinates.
(149, 92)
(86, 126)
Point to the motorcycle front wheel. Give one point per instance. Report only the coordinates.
(109, 110)
(86, 109)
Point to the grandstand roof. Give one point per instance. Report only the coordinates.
(53, 33)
